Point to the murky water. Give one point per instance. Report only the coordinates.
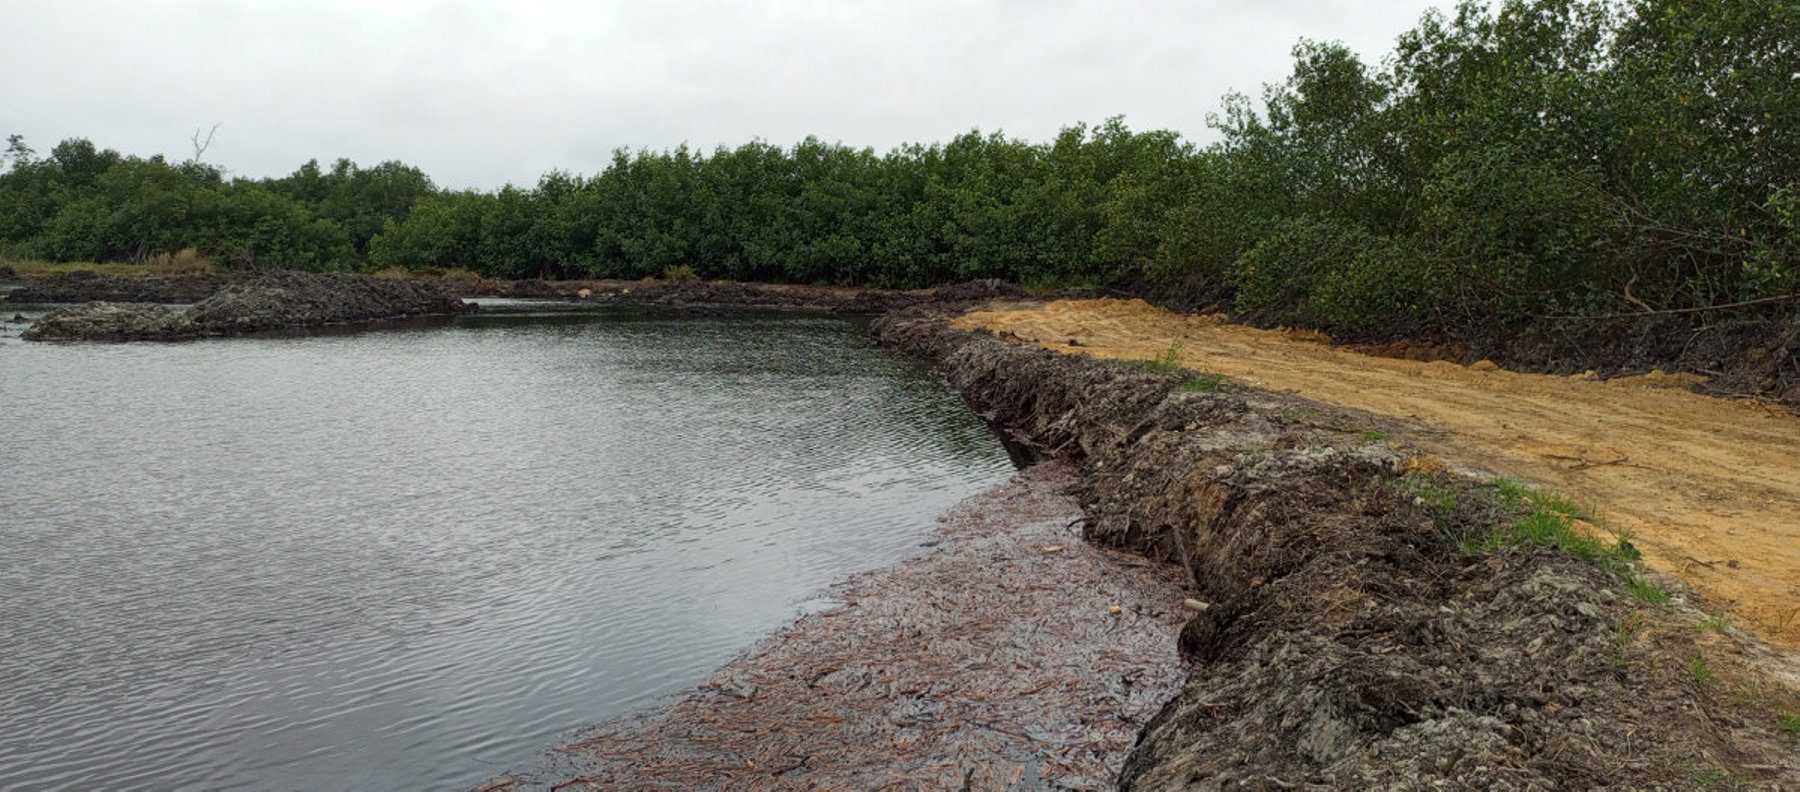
(412, 558)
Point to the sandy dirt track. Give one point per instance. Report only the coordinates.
(1708, 488)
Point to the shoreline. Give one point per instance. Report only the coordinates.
(992, 661)
(1356, 631)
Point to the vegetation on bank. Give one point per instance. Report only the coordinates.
(1545, 158)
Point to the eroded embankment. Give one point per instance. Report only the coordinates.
(1708, 487)
(1354, 641)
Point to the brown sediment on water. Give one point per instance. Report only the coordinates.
(1009, 655)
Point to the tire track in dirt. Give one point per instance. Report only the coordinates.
(1707, 488)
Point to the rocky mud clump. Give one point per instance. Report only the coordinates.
(1362, 628)
(273, 301)
(85, 286)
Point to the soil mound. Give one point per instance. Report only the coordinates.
(1348, 634)
(268, 302)
(83, 286)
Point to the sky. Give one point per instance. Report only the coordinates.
(482, 94)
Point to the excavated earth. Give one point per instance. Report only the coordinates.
(273, 301)
(1354, 641)
(1707, 487)
(1344, 627)
(84, 286)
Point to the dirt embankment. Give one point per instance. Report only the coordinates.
(84, 286)
(274, 301)
(1353, 640)
(1708, 488)
(704, 297)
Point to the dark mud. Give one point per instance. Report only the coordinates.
(1011, 655)
(1353, 641)
(700, 297)
(85, 286)
(273, 301)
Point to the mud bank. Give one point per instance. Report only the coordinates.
(703, 297)
(84, 286)
(1010, 655)
(274, 301)
(1356, 639)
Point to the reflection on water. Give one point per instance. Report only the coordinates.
(410, 559)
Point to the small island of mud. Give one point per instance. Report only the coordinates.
(273, 301)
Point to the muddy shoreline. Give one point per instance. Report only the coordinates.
(694, 297)
(1360, 636)
(1352, 634)
(1010, 655)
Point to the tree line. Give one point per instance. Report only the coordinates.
(1538, 158)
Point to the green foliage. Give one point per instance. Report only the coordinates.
(1549, 520)
(1699, 669)
(1203, 383)
(1507, 162)
(1168, 363)
(1789, 724)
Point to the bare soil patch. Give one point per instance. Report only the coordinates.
(1708, 488)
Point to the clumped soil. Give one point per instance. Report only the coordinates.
(83, 286)
(273, 301)
(1011, 655)
(1707, 487)
(1354, 639)
(703, 297)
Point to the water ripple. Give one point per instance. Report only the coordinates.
(411, 559)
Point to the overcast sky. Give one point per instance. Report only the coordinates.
(479, 94)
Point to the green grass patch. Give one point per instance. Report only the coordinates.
(1714, 623)
(1203, 383)
(1168, 363)
(1438, 496)
(1647, 591)
(1548, 520)
(1374, 436)
(1788, 722)
(1701, 670)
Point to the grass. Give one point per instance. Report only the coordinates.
(1701, 670)
(1203, 383)
(1715, 623)
(1788, 722)
(1374, 436)
(1168, 363)
(1438, 496)
(1716, 777)
(1549, 520)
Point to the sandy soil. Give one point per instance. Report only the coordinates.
(1012, 655)
(1708, 489)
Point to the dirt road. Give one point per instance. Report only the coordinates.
(1708, 488)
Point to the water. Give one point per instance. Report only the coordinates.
(412, 558)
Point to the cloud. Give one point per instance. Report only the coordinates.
(479, 94)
